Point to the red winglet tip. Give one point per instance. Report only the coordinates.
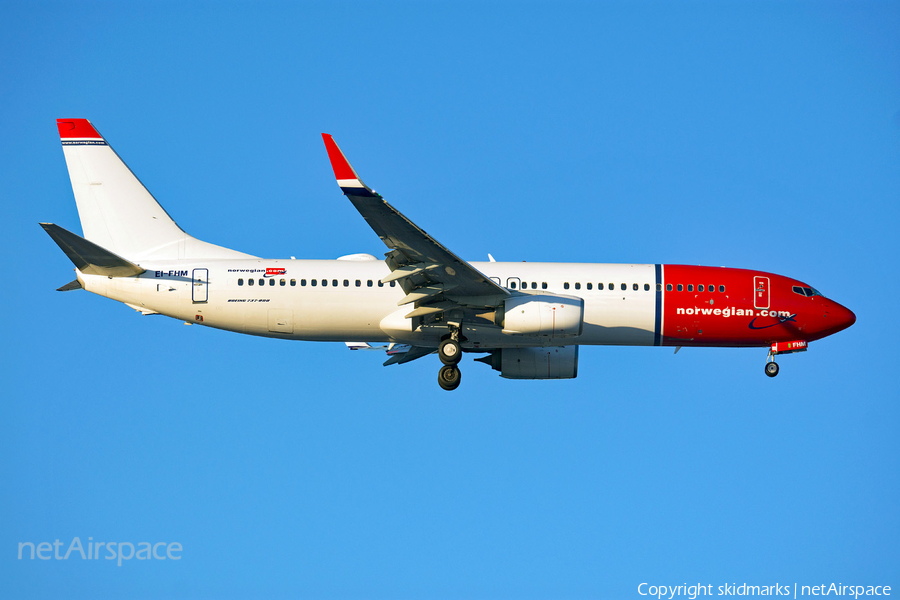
(77, 128)
(339, 164)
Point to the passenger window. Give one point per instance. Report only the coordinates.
(680, 288)
(262, 282)
(512, 285)
(358, 283)
(240, 282)
(313, 282)
(393, 283)
(524, 285)
(721, 288)
(668, 287)
(324, 283)
(544, 286)
(635, 287)
(369, 283)
(271, 282)
(612, 286)
(711, 288)
(624, 286)
(250, 281)
(599, 286)
(690, 287)
(658, 287)
(380, 284)
(346, 283)
(534, 285)
(283, 282)
(566, 285)
(334, 282)
(700, 288)
(646, 287)
(577, 286)
(590, 286)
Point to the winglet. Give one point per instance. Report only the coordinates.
(346, 177)
(77, 129)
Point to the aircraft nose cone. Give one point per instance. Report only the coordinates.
(843, 317)
(850, 317)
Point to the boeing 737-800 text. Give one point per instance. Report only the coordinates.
(527, 319)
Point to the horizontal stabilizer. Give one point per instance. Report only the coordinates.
(72, 285)
(88, 257)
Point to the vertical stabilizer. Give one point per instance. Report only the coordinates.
(117, 212)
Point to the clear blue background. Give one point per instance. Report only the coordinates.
(759, 135)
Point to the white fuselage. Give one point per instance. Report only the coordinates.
(351, 304)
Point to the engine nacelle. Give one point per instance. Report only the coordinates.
(551, 316)
(554, 362)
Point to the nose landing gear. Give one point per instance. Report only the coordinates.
(782, 348)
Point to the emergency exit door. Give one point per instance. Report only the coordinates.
(760, 292)
(199, 285)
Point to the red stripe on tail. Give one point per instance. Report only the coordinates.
(77, 128)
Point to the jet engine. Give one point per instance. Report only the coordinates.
(542, 315)
(553, 362)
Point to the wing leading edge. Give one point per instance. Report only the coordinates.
(432, 276)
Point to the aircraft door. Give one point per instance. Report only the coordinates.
(760, 292)
(199, 285)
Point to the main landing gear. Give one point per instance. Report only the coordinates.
(782, 348)
(449, 377)
(450, 353)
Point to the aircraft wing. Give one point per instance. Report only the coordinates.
(432, 276)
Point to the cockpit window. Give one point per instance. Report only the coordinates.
(806, 291)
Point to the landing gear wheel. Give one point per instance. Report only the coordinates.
(449, 377)
(450, 352)
(772, 369)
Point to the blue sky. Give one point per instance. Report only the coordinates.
(757, 135)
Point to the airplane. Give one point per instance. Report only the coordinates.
(527, 319)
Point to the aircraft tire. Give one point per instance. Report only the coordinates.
(771, 369)
(450, 352)
(449, 377)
